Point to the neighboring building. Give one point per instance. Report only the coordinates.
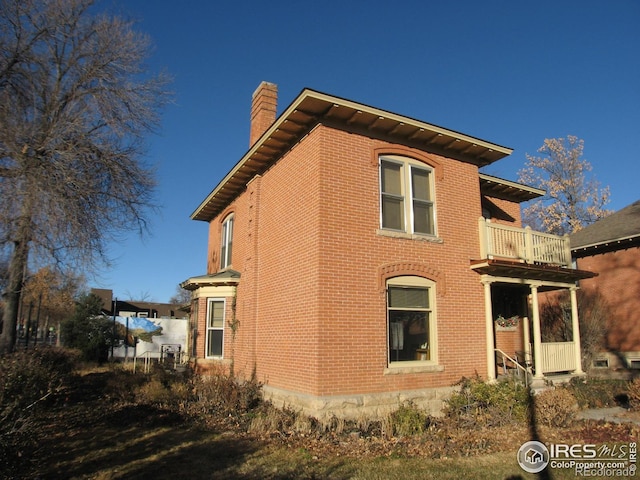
(611, 247)
(133, 308)
(152, 330)
(357, 258)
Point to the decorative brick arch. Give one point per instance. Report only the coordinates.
(409, 268)
(408, 152)
(225, 213)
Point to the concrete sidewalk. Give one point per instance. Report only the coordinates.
(612, 414)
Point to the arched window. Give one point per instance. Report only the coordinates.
(226, 242)
(406, 195)
(411, 321)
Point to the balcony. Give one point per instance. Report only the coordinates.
(523, 245)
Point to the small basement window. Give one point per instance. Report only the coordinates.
(601, 363)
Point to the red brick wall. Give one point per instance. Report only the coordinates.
(504, 211)
(311, 300)
(618, 281)
(511, 341)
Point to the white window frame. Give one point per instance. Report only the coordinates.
(210, 329)
(432, 339)
(407, 166)
(226, 242)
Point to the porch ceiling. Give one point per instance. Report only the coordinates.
(514, 269)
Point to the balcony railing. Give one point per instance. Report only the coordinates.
(523, 244)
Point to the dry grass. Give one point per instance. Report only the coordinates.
(115, 425)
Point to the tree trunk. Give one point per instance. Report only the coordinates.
(17, 269)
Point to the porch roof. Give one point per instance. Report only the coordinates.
(508, 190)
(226, 277)
(312, 107)
(529, 271)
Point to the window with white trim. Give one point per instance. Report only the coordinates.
(406, 196)
(215, 328)
(411, 320)
(226, 243)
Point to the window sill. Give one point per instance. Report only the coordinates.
(408, 236)
(413, 367)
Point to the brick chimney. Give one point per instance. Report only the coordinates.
(263, 110)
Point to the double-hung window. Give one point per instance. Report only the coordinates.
(215, 328)
(406, 196)
(410, 317)
(226, 242)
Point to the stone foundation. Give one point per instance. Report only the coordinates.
(370, 405)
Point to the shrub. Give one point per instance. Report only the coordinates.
(555, 407)
(27, 379)
(488, 404)
(224, 394)
(88, 330)
(633, 394)
(408, 420)
(597, 393)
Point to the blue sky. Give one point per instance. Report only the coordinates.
(510, 72)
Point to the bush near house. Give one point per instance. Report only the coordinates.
(598, 393)
(478, 403)
(555, 407)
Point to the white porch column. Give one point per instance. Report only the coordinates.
(575, 326)
(537, 336)
(488, 320)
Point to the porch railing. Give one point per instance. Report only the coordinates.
(558, 357)
(509, 365)
(524, 244)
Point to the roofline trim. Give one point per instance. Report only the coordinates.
(534, 190)
(330, 99)
(605, 243)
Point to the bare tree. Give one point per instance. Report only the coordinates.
(181, 296)
(143, 296)
(573, 200)
(75, 104)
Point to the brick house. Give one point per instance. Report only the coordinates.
(357, 258)
(611, 247)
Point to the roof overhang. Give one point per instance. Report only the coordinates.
(612, 245)
(224, 278)
(311, 108)
(508, 190)
(539, 272)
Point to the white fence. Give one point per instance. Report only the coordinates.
(558, 357)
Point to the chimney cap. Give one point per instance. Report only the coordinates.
(264, 84)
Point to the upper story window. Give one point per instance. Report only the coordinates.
(226, 243)
(406, 196)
